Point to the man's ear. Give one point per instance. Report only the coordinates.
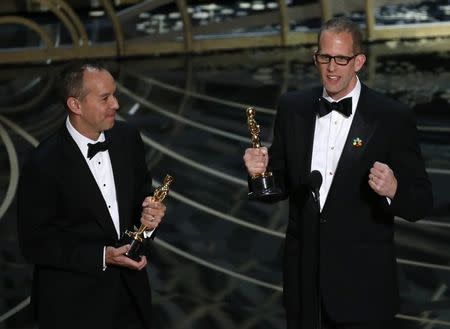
(314, 56)
(73, 105)
(359, 62)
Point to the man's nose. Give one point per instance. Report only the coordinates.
(331, 65)
(115, 103)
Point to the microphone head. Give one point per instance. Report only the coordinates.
(315, 180)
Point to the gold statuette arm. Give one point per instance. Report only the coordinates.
(253, 127)
(159, 195)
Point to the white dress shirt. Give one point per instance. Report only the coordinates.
(330, 135)
(101, 169)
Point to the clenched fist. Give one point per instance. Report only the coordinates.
(382, 180)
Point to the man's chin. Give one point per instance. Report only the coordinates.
(110, 125)
(333, 90)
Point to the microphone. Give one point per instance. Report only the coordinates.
(315, 182)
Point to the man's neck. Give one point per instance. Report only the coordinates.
(94, 136)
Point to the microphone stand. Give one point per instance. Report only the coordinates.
(316, 197)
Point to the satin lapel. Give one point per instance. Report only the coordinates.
(79, 170)
(121, 171)
(356, 144)
(309, 126)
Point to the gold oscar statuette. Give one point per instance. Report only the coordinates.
(262, 186)
(136, 238)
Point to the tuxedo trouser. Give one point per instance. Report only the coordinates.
(127, 316)
(368, 325)
(329, 324)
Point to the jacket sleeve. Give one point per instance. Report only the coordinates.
(143, 178)
(413, 199)
(277, 156)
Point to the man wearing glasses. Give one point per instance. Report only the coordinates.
(339, 261)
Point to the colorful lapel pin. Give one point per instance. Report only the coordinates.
(357, 142)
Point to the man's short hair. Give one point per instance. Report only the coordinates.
(71, 84)
(343, 24)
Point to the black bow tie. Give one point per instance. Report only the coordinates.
(344, 106)
(93, 149)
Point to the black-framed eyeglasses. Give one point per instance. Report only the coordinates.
(339, 60)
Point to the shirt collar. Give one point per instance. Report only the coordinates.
(81, 140)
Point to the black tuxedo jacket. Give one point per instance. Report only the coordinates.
(64, 223)
(356, 254)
